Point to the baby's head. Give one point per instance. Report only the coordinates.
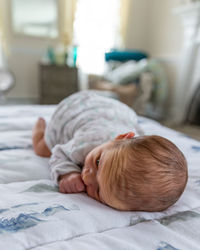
(145, 173)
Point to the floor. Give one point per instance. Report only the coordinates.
(191, 130)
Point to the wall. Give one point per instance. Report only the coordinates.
(23, 60)
(154, 27)
(137, 25)
(164, 29)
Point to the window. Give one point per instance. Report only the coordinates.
(35, 17)
(96, 30)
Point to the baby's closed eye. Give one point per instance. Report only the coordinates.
(97, 162)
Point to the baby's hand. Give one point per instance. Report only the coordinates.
(71, 183)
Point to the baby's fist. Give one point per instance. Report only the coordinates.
(71, 183)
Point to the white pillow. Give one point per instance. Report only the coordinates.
(126, 72)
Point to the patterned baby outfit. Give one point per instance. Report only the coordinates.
(81, 122)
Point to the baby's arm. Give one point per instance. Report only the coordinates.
(61, 162)
(66, 160)
(64, 168)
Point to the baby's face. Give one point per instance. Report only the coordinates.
(94, 179)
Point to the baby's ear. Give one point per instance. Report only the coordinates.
(128, 135)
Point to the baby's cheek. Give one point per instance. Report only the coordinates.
(91, 192)
(89, 176)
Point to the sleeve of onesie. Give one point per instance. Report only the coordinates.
(70, 157)
(62, 162)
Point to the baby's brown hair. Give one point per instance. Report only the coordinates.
(146, 173)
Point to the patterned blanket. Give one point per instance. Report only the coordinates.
(34, 215)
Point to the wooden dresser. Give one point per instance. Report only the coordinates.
(57, 82)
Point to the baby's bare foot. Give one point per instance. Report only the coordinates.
(40, 124)
(39, 144)
(38, 130)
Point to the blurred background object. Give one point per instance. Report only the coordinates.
(6, 83)
(6, 77)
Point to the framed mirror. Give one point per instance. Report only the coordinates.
(37, 18)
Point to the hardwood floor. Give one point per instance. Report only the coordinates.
(191, 130)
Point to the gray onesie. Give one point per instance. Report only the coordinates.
(81, 122)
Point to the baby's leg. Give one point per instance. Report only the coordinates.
(39, 144)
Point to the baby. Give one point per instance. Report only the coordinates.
(90, 152)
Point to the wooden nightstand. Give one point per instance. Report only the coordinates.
(57, 82)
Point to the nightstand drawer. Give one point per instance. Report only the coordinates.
(57, 82)
(52, 100)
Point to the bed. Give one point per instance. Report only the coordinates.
(34, 215)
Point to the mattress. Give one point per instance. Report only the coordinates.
(34, 215)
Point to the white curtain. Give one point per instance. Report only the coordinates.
(1, 34)
(3, 45)
(124, 19)
(68, 10)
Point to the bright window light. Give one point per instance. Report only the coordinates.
(96, 30)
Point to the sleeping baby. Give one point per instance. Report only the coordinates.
(92, 149)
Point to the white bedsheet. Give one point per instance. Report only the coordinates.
(34, 215)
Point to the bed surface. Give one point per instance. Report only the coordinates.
(34, 215)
